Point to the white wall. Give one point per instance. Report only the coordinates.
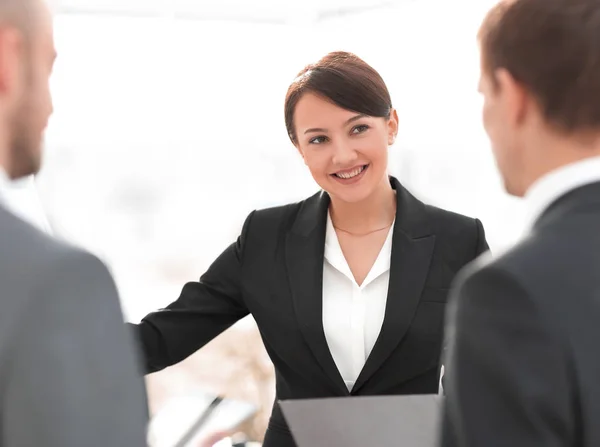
(168, 133)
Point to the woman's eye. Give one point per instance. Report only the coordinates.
(318, 140)
(360, 129)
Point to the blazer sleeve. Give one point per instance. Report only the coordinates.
(73, 379)
(203, 310)
(509, 380)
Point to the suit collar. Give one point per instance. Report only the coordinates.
(412, 248)
(569, 203)
(412, 218)
(558, 183)
(312, 214)
(411, 214)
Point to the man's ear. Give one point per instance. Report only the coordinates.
(515, 98)
(11, 59)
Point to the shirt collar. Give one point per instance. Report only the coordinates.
(4, 182)
(556, 184)
(335, 256)
(21, 199)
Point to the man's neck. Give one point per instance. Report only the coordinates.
(557, 155)
(5, 161)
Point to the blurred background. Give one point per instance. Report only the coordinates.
(169, 112)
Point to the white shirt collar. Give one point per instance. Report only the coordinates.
(556, 184)
(335, 256)
(4, 182)
(20, 198)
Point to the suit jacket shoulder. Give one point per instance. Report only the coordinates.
(28, 256)
(22, 241)
(550, 266)
(452, 230)
(63, 345)
(451, 227)
(452, 223)
(446, 223)
(264, 229)
(273, 218)
(521, 329)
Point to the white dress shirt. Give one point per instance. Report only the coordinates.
(556, 184)
(353, 314)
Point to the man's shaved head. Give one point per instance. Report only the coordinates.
(20, 13)
(26, 59)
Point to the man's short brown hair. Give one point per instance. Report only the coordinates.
(552, 48)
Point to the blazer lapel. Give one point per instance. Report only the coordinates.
(304, 253)
(412, 249)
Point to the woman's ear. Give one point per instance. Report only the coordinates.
(392, 127)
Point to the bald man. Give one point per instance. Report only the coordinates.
(68, 370)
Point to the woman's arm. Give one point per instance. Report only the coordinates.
(203, 310)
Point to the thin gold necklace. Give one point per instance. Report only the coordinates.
(363, 234)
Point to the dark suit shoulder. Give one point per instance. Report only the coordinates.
(496, 280)
(530, 258)
(32, 266)
(274, 217)
(451, 224)
(29, 256)
(459, 238)
(443, 222)
(272, 222)
(24, 241)
(553, 272)
(61, 323)
(550, 263)
(507, 359)
(282, 214)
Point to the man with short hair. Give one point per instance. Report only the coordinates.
(524, 366)
(68, 369)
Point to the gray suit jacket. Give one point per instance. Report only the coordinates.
(68, 371)
(524, 359)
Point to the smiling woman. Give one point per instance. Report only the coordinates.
(347, 287)
(339, 115)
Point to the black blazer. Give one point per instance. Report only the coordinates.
(275, 270)
(524, 363)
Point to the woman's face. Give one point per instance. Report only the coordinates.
(346, 152)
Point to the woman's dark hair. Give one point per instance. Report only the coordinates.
(345, 80)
